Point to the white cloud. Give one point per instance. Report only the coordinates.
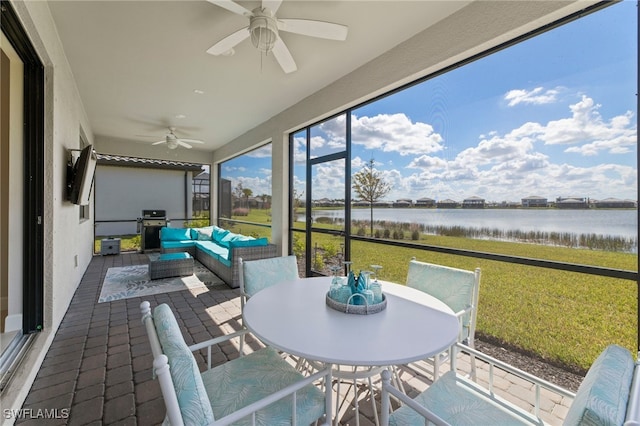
(586, 126)
(509, 166)
(395, 133)
(262, 152)
(537, 96)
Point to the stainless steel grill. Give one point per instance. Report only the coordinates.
(149, 226)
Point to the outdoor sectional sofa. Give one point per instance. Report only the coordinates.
(216, 248)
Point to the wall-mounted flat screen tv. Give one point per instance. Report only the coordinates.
(81, 177)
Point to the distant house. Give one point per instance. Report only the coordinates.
(473, 203)
(425, 202)
(124, 186)
(572, 203)
(615, 203)
(403, 202)
(534, 201)
(447, 204)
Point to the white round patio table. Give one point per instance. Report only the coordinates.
(293, 317)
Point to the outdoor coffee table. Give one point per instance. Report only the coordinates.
(170, 265)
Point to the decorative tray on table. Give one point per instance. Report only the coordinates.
(356, 296)
(350, 308)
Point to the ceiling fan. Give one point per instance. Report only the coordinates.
(263, 29)
(173, 141)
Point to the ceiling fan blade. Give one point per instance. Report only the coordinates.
(190, 140)
(283, 56)
(272, 5)
(181, 143)
(159, 142)
(311, 28)
(231, 7)
(229, 42)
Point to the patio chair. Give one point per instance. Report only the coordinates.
(457, 288)
(256, 275)
(258, 389)
(608, 395)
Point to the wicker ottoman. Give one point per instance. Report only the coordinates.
(171, 265)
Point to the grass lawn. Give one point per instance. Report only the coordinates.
(565, 317)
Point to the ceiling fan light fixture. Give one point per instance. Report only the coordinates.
(263, 29)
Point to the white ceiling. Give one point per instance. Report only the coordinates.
(137, 63)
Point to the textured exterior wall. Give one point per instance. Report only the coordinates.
(68, 242)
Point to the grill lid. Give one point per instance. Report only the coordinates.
(154, 213)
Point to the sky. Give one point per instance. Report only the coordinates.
(554, 116)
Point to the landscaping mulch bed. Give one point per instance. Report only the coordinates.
(531, 364)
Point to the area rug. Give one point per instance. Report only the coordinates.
(133, 281)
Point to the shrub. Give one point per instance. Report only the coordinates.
(318, 263)
(386, 233)
(330, 250)
(377, 233)
(324, 219)
(361, 232)
(415, 235)
(240, 211)
(298, 246)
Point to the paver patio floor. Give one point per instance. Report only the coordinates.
(99, 365)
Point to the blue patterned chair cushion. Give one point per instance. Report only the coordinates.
(604, 393)
(263, 273)
(455, 403)
(187, 381)
(263, 373)
(452, 286)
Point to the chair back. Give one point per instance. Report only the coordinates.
(256, 275)
(458, 288)
(183, 390)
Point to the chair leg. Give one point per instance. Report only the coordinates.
(436, 367)
(373, 402)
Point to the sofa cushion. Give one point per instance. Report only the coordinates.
(603, 394)
(228, 237)
(216, 251)
(249, 242)
(177, 244)
(175, 234)
(202, 234)
(219, 234)
(187, 381)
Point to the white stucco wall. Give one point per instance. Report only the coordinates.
(121, 193)
(471, 31)
(68, 243)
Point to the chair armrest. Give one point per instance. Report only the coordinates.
(276, 396)
(633, 407)
(493, 362)
(207, 344)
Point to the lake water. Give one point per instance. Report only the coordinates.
(616, 223)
